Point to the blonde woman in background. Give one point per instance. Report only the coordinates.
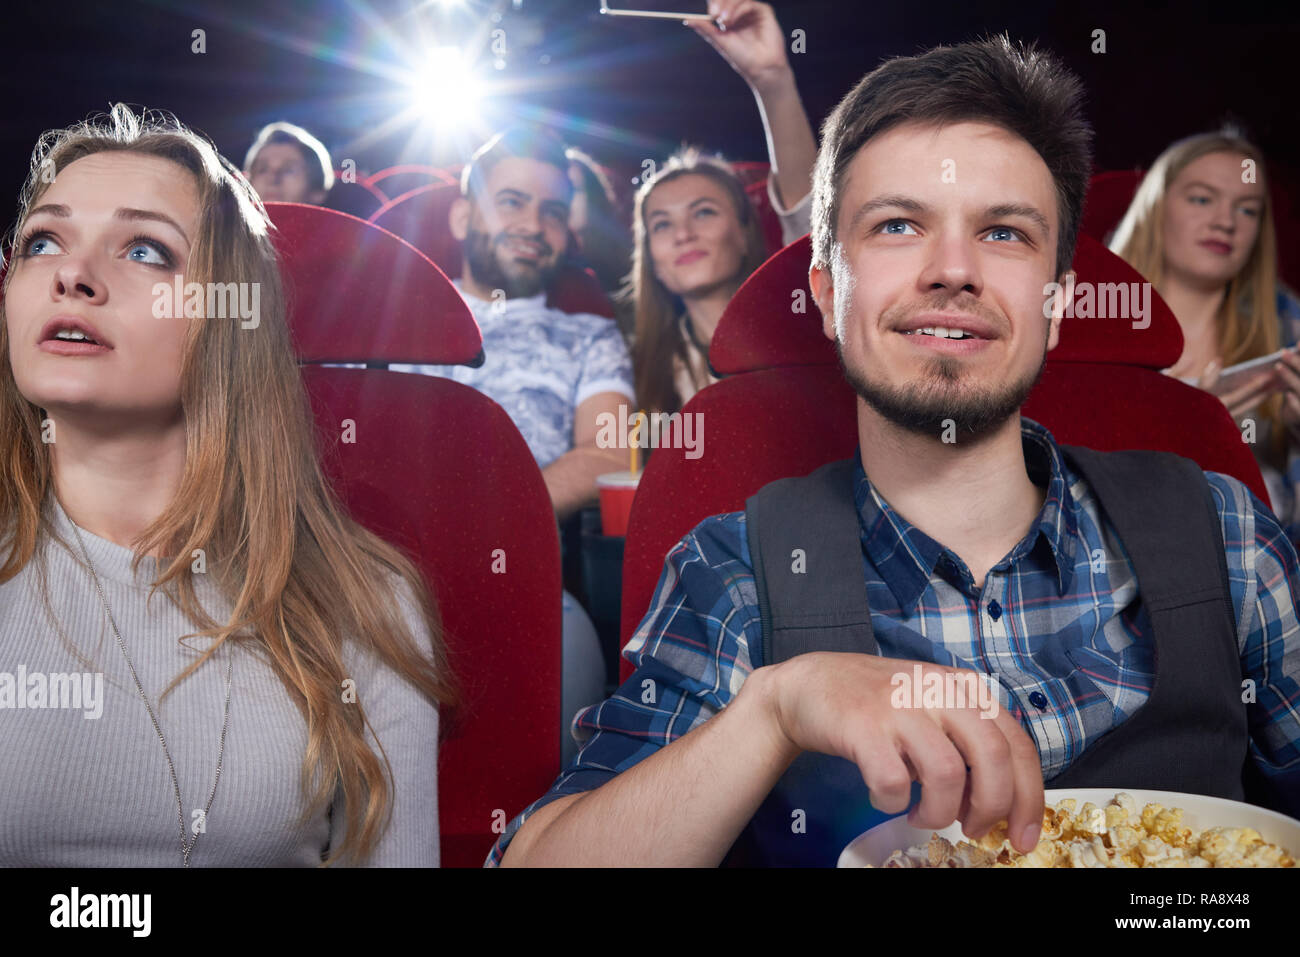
(1200, 229)
(277, 703)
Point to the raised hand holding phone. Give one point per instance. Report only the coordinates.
(749, 38)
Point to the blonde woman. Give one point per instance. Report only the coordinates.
(1200, 228)
(203, 660)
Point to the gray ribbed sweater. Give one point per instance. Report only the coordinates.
(78, 791)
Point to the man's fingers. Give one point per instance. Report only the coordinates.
(940, 768)
(990, 787)
(1026, 818)
(887, 776)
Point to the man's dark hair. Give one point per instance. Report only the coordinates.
(529, 141)
(1023, 90)
(320, 169)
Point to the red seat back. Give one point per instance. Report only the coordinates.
(420, 217)
(1109, 196)
(484, 535)
(357, 292)
(439, 470)
(773, 321)
(396, 180)
(786, 409)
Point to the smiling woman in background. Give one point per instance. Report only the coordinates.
(1200, 229)
(277, 703)
(697, 236)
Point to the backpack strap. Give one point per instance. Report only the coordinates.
(1162, 509)
(805, 546)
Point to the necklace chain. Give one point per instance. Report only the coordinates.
(187, 846)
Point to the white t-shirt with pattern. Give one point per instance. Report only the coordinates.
(539, 365)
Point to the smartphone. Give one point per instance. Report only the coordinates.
(657, 9)
(1236, 376)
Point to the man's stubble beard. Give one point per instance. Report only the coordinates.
(928, 410)
(482, 255)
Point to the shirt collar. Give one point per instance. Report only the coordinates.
(906, 557)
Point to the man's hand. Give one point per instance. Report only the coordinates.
(972, 769)
(571, 479)
(751, 40)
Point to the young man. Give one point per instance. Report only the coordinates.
(947, 196)
(553, 372)
(286, 164)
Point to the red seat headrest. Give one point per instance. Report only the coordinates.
(1109, 196)
(420, 217)
(772, 320)
(358, 293)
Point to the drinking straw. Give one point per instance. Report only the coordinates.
(639, 418)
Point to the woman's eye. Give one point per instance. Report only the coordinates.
(1252, 211)
(1198, 200)
(1011, 233)
(148, 252)
(40, 244)
(888, 229)
(706, 211)
(657, 225)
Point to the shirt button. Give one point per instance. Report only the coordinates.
(995, 610)
(1038, 700)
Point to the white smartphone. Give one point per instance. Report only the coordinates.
(658, 9)
(1236, 376)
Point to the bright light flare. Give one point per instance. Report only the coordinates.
(445, 90)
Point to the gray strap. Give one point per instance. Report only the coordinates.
(805, 545)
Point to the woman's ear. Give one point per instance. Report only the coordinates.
(458, 218)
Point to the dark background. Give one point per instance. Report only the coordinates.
(625, 90)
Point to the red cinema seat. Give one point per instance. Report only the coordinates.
(439, 470)
(420, 217)
(396, 180)
(753, 176)
(784, 408)
(1109, 196)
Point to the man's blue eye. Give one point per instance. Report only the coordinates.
(895, 222)
(1004, 229)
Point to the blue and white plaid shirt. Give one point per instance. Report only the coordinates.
(1056, 617)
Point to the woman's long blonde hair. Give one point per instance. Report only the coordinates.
(657, 336)
(1247, 322)
(301, 574)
